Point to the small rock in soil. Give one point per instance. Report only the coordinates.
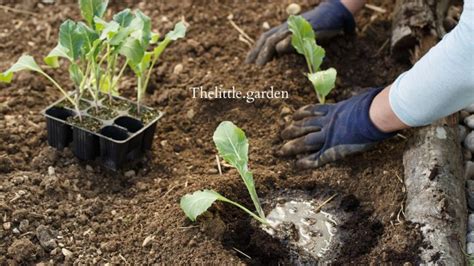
(469, 109)
(293, 9)
(89, 168)
(285, 111)
(266, 26)
(470, 248)
(178, 69)
(129, 174)
(24, 225)
(51, 171)
(469, 141)
(470, 223)
(45, 237)
(67, 253)
(469, 121)
(190, 114)
(462, 133)
(7, 226)
(469, 170)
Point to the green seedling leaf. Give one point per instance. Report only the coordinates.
(155, 37)
(300, 29)
(178, 32)
(124, 17)
(76, 74)
(52, 59)
(91, 9)
(323, 82)
(88, 35)
(107, 29)
(134, 52)
(71, 39)
(198, 202)
(233, 146)
(141, 26)
(313, 53)
(25, 62)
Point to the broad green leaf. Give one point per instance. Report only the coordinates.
(124, 17)
(198, 202)
(323, 82)
(59, 51)
(233, 146)
(71, 39)
(25, 62)
(145, 63)
(89, 36)
(141, 26)
(91, 9)
(76, 74)
(133, 51)
(121, 35)
(178, 32)
(107, 29)
(301, 29)
(313, 53)
(105, 86)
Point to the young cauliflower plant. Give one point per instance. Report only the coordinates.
(303, 39)
(232, 145)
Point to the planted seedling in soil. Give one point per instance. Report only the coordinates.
(303, 39)
(232, 145)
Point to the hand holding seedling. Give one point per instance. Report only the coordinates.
(328, 19)
(329, 132)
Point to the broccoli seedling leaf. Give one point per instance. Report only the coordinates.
(71, 39)
(91, 9)
(124, 17)
(301, 30)
(141, 26)
(233, 145)
(52, 59)
(303, 40)
(134, 52)
(198, 202)
(25, 62)
(323, 82)
(178, 32)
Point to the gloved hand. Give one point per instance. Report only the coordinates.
(329, 132)
(328, 19)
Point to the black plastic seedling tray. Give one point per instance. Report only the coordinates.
(122, 139)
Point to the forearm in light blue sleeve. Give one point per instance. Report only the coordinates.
(442, 81)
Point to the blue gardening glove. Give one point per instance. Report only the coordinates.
(328, 19)
(329, 132)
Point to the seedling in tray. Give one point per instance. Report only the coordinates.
(233, 147)
(98, 52)
(304, 42)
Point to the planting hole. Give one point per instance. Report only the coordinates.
(60, 113)
(114, 133)
(131, 124)
(310, 230)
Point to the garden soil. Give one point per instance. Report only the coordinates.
(56, 209)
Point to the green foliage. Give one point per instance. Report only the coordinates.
(303, 39)
(91, 9)
(98, 51)
(232, 145)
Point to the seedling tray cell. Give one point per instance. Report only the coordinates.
(115, 140)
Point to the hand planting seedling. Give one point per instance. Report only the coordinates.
(232, 145)
(97, 53)
(303, 39)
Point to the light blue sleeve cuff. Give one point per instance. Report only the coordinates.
(442, 81)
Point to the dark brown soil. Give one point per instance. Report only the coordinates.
(82, 105)
(102, 113)
(116, 104)
(145, 115)
(86, 122)
(95, 217)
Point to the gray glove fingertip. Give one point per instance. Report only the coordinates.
(268, 49)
